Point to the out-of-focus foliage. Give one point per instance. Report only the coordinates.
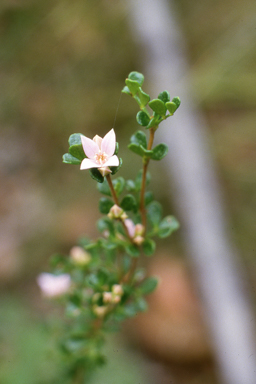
(62, 65)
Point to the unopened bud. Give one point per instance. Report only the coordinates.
(117, 289)
(104, 171)
(138, 240)
(99, 311)
(139, 230)
(116, 299)
(115, 212)
(79, 256)
(107, 297)
(123, 216)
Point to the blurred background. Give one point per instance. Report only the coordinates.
(62, 67)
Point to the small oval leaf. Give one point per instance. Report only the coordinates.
(159, 152)
(96, 175)
(136, 76)
(176, 100)
(104, 205)
(164, 96)
(158, 106)
(149, 247)
(133, 86)
(144, 98)
(114, 170)
(171, 107)
(75, 139)
(69, 159)
(139, 138)
(129, 203)
(168, 225)
(142, 118)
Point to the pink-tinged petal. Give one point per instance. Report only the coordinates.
(98, 140)
(108, 144)
(104, 171)
(113, 161)
(130, 227)
(89, 146)
(88, 163)
(53, 286)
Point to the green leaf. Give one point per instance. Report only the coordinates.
(130, 186)
(141, 304)
(154, 213)
(158, 106)
(142, 118)
(138, 179)
(154, 122)
(96, 175)
(136, 76)
(139, 138)
(116, 169)
(164, 96)
(144, 98)
(129, 203)
(149, 247)
(119, 185)
(126, 90)
(168, 225)
(176, 100)
(159, 152)
(105, 204)
(130, 310)
(138, 149)
(117, 148)
(133, 86)
(132, 250)
(69, 159)
(148, 285)
(148, 197)
(105, 224)
(104, 188)
(171, 106)
(77, 151)
(75, 139)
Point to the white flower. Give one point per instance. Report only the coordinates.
(52, 285)
(100, 152)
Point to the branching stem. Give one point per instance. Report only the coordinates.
(143, 182)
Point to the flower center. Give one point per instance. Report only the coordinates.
(101, 157)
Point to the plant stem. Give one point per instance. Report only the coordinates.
(115, 198)
(113, 192)
(143, 182)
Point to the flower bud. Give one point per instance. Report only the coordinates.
(107, 297)
(79, 256)
(115, 212)
(116, 299)
(105, 171)
(117, 289)
(99, 311)
(139, 230)
(138, 240)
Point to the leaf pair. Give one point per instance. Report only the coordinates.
(133, 87)
(138, 145)
(162, 227)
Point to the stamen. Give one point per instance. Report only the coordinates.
(101, 157)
